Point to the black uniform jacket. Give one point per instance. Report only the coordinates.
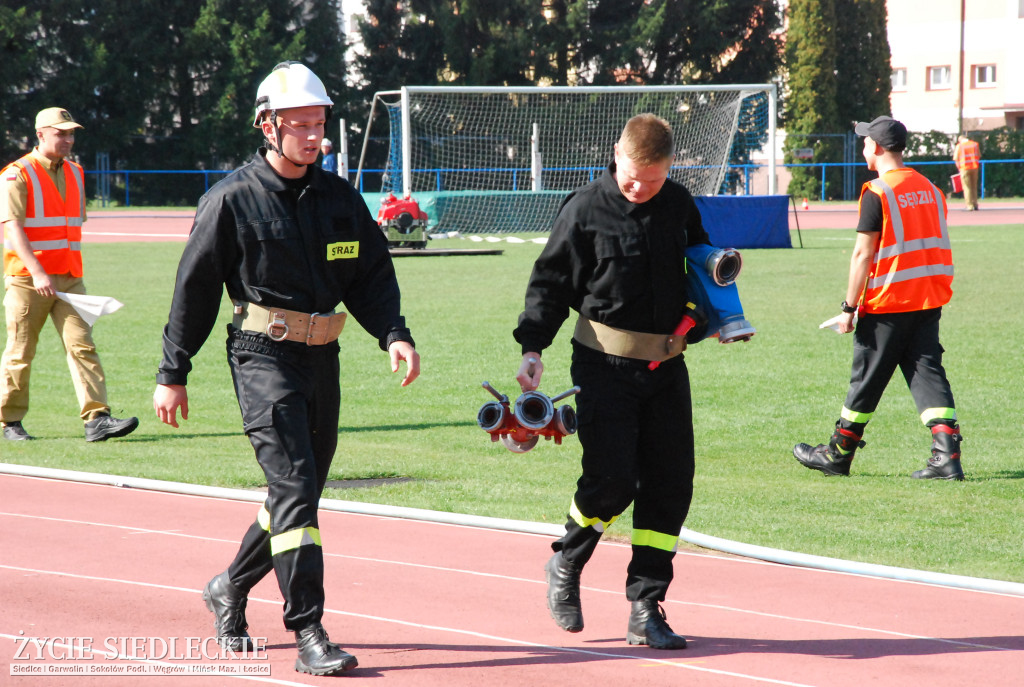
(305, 247)
(613, 261)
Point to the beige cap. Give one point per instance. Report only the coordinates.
(56, 117)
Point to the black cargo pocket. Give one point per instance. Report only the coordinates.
(259, 426)
(269, 245)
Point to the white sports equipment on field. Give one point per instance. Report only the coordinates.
(488, 159)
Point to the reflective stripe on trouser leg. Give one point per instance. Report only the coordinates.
(581, 536)
(656, 540)
(855, 417)
(263, 517)
(583, 521)
(293, 539)
(936, 416)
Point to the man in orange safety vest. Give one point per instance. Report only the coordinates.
(42, 207)
(900, 276)
(967, 156)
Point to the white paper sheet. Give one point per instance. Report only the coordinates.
(90, 307)
(833, 323)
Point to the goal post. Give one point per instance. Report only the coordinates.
(502, 159)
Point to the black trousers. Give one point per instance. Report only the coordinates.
(908, 341)
(636, 431)
(289, 397)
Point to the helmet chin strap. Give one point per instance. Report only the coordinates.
(277, 147)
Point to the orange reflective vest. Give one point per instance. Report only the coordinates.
(967, 155)
(913, 264)
(53, 224)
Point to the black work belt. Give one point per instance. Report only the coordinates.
(627, 344)
(312, 329)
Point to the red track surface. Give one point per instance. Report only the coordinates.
(819, 216)
(429, 604)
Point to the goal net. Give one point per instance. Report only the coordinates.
(496, 160)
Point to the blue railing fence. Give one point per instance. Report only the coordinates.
(104, 180)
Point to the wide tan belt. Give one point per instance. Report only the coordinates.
(627, 344)
(312, 329)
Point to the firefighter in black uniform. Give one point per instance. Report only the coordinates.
(615, 256)
(290, 242)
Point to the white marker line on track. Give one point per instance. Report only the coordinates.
(437, 628)
(135, 234)
(509, 578)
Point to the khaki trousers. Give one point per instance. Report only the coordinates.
(970, 179)
(26, 313)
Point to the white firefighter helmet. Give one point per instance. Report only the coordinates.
(290, 84)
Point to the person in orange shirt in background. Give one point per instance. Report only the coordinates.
(901, 274)
(967, 156)
(42, 208)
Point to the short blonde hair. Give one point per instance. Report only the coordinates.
(647, 140)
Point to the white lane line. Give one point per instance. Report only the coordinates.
(135, 234)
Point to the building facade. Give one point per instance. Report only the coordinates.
(936, 87)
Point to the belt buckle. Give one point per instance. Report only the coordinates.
(277, 324)
(316, 335)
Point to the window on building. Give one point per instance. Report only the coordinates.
(899, 78)
(938, 78)
(983, 75)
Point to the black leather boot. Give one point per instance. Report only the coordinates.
(318, 655)
(945, 460)
(564, 593)
(648, 625)
(833, 459)
(227, 603)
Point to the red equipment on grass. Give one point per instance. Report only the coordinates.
(403, 222)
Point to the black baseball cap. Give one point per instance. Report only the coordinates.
(885, 131)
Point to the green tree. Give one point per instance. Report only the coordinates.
(863, 70)
(675, 41)
(398, 49)
(485, 42)
(19, 55)
(838, 60)
(863, 61)
(159, 85)
(811, 105)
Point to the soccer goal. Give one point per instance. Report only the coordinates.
(495, 160)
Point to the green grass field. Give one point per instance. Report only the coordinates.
(752, 401)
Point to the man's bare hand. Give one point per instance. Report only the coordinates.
(530, 371)
(403, 350)
(167, 399)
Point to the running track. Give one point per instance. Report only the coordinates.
(423, 603)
